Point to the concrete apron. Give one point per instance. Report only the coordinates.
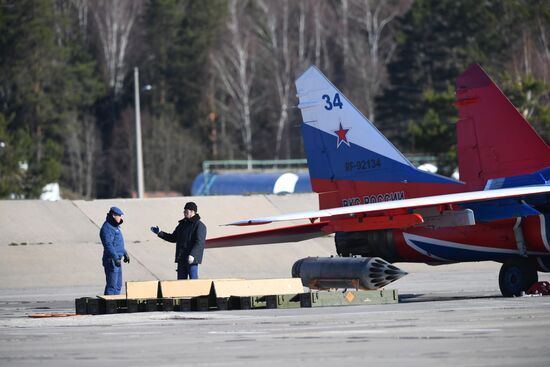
(56, 244)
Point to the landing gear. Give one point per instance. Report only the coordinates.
(517, 275)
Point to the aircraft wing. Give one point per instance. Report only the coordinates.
(390, 211)
(277, 235)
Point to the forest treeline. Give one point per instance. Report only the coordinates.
(217, 80)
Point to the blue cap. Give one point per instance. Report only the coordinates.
(116, 210)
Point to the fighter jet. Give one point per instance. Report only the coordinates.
(378, 204)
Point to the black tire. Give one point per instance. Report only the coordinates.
(517, 275)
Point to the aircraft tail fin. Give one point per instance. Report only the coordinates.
(494, 140)
(350, 162)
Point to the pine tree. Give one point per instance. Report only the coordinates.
(438, 40)
(179, 36)
(31, 68)
(189, 61)
(81, 88)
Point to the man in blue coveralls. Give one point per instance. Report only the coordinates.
(113, 250)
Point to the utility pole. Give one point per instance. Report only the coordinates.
(140, 188)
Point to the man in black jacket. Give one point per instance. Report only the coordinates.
(189, 236)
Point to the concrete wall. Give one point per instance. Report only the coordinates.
(56, 244)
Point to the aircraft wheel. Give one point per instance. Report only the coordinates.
(516, 276)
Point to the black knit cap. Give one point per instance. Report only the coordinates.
(191, 206)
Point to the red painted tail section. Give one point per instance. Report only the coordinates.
(494, 140)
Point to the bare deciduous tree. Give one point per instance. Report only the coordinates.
(114, 21)
(236, 65)
(82, 140)
(371, 44)
(293, 35)
(81, 7)
(170, 154)
(276, 41)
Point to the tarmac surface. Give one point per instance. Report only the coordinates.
(453, 317)
(450, 315)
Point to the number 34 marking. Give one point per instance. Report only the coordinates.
(334, 103)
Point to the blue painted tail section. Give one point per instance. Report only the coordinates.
(342, 144)
(327, 161)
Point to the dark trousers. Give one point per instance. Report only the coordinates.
(188, 271)
(113, 278)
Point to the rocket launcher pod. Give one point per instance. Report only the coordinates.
(368, 273)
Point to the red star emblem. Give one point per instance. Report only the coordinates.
(341, 136)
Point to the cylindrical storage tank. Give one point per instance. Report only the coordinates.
(212, 183)
(345, 272)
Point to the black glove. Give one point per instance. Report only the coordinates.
(126, 258)
(117, 263)
(155, 229)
